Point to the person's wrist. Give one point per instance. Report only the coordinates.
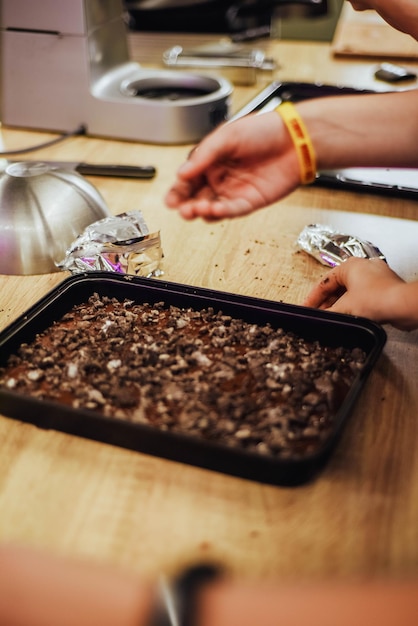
(400, 306)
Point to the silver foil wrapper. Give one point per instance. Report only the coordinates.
(331, 248)
(121, 244)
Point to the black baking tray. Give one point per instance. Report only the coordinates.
(369, 180)
(330, 329)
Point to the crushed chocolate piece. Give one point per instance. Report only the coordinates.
(202, 373)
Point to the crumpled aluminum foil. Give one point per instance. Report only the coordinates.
(120, 243)
(331, 248)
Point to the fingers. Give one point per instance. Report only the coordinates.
(326, 293)
(357, 287)
(191, 181)
(221, 191)
(185, 193)
(214, 209)
(190, 185)
(233, 172)
(210, 150)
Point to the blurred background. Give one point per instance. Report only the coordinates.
(281, 19)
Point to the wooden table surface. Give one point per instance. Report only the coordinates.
(358, 518)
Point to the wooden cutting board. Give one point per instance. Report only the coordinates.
(365, 33)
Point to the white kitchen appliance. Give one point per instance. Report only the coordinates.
(65, 64)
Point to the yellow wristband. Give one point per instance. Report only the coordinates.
(301, 140)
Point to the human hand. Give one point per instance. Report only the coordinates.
(240, 167)
(367, 288)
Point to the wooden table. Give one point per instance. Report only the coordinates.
(358, 518)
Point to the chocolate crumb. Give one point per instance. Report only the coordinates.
(199, 372)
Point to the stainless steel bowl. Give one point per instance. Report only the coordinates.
(42, 211)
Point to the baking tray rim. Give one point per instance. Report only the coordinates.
(194, 291)
(293, 471)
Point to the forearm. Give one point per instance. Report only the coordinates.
(368, 130)
(41, 590)
(386, 604)
(38, 589)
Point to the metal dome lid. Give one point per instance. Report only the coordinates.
(43, 209)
